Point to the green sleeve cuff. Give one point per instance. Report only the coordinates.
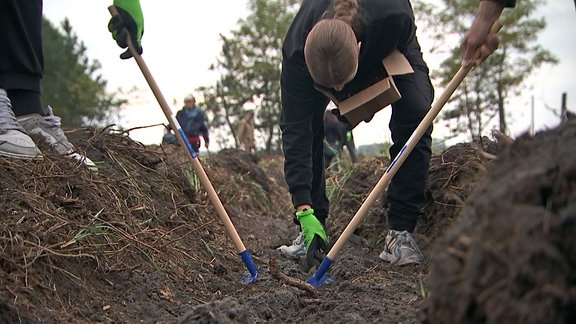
(304, 213)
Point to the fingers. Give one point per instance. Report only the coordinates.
(475, 52)
(475, 38)
(128, 53)
(467, 52)
(471, 49)
(489, 46)
(116, 27)
(315, 252)
(367, 119)
(123, 26)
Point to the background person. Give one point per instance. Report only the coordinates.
(334, 139)
(193, 122)
(245, 131)
(351, 146)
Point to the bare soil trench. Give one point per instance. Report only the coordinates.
(140, 242)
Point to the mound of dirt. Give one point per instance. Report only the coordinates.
(140, 241)
(511, 256)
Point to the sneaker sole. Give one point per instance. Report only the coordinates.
(37, 157)
(398, 261)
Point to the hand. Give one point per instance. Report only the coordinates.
(314, 236)
(128, 21)
(479, 43)
(348, 136)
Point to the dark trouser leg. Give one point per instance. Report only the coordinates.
(25, 102)
(406, 193)
(21, 63)
(352, 149)
(318, 192)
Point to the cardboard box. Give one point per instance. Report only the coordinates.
(365, 103)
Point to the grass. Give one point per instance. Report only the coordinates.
(336, 183)
(193, 179)
(90, 231)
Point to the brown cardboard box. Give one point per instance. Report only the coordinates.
(364, 104)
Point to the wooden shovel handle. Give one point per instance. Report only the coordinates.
(397, 162)
(204, 180)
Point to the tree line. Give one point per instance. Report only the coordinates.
(249, 65)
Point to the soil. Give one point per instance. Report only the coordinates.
(141, 240)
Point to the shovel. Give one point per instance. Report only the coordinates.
(319, 276)
(183, 140)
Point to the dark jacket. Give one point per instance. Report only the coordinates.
(193, 122)
(301, 119)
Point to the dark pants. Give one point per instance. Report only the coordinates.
(21, 58)
(406, 193)
(351, 146)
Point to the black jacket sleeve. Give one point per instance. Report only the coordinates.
(301, 122)
(507, 3)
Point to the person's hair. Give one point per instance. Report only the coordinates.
(331, 48)
(190, 97)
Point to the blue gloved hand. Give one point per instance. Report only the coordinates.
(128, 22)
(314, 236)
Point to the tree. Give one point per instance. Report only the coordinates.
(70, 82)
(483, 95)
(249, 64)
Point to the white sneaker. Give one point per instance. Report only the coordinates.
(400, 248)
(295, 251)
(49, 128)
(14, 142)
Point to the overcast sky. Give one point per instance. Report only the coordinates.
(181, 41)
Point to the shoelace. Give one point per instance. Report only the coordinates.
(7, 118)
(54, 123)
(406, 238)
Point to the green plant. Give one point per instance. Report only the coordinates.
(193, 179)
(90, 231)
(336, 182)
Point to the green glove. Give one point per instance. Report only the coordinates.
(314, 236)
(129, 21)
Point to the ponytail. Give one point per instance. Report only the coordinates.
(347, 11)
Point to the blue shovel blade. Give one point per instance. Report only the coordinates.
(320, 276)
(250, 277)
